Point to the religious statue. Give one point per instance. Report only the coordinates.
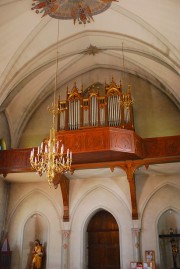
(175, 251)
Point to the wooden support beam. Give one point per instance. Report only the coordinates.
(64, 185)
(130, 167)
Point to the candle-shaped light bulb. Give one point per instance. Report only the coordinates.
(46, 149)
(62, 149)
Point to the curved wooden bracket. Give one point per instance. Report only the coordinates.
(130, 167)
(64, 184)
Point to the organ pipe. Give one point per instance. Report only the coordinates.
(115, 108)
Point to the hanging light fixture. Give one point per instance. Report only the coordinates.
(50, 157)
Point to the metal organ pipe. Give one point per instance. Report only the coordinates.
(74, 115)
(119, 111)
(93, 111)
(127, 114)
(102, 116)
(75, 118)
(69, 118)
(85, 117)
(78, 114)
(62, 120)
(109, 115)
(114, 110)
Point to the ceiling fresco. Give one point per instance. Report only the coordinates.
(88, 53)
(80, 11)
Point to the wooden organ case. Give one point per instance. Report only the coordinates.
(99, 129)
(92, 109)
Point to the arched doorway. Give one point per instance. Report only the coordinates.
(103, 242)
(169, 239)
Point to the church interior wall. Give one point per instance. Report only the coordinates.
(154, 112)
(4, 194)
(4, 130)
(149, 183)
(165, 198)
(168, 222)
(37, 203)
(136, 42)
(91, 203)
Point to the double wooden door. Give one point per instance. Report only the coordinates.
(103, 242)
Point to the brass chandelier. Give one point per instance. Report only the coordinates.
(50, 157)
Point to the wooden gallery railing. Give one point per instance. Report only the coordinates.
(114, 109)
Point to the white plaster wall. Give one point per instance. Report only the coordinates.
(169, 219)
(165, 197)
(4, 130)
(148, 184)
(25, 201)
(155, 193)
(99, 196)
(36, 227)
(86, 197)
(80, 188)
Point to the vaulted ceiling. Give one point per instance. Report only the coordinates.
(131, 40)
(139, 38)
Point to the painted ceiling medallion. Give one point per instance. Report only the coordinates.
(81, 11)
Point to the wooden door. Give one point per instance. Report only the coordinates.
(103, 242)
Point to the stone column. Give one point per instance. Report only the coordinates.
(65, 249)
(136, 244)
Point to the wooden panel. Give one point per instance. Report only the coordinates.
(103, 242)
(162, 146)
(15, 160)
(102, 139)
(103, 152)
(122, 141)
(100, 148)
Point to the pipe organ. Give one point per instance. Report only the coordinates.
(79, 111)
